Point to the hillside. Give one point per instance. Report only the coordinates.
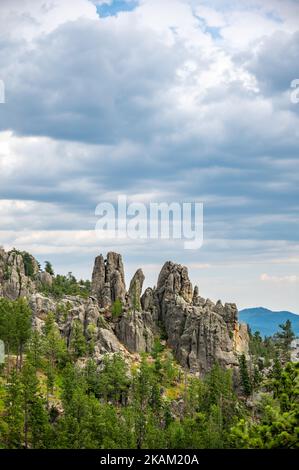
(267, 321)
(97, 365)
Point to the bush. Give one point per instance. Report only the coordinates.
(67, 285)
(117, 308)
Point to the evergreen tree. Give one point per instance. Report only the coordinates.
(8, 327)
(49, 268)
(244, 375)
(284, 338)
(14, 415)
(257, 378)
(15, 327)
(78, 340)
(142, 392)
(23, 320)
(113, 380)
(35, 416)
(35, 349)
(54, 350)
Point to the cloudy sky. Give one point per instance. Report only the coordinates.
(160, 100)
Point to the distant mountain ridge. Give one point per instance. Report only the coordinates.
(267, 321)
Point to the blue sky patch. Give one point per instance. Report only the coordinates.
(115, 7)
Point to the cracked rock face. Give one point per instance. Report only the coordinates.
(136, 331)
(71, 309)
(174, 280)
(14, 281)
(108, 279)
(199, 331)
(135, 290)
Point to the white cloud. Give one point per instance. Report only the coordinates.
(278, 279)
(156, 103)
(29, 19)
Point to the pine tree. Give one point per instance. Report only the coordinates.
(14, 415)
(78, 340)
(113, 380)
(36, 425)
(49, 268)
(244, 374)
(15, 327)
(257, 378)
(35, 350)
(285, 338)
(23, 320)
(142, 391)
(54, 350)
(8, 328)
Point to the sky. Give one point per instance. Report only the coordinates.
(158, 100)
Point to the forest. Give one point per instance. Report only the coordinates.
(55, 396)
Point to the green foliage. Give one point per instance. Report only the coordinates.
(50, 399)
(244, 375)
(78, 340)
(113, 381)
(261, 348)
(157, 348)
(284, 339)
(28, 264)
(26, 422)
(117, 308)
(54, 352)
(277, 426)
(66, 285)
(49, 268)
(27, 260)
(15, 326)
(13, 429)
(36, 425)
(91, 333)
(35, 349)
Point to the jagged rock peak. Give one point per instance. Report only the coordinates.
(174, 280)
(147, 299)
(108, 279)
(135, 290)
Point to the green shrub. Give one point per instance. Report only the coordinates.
(117, 308)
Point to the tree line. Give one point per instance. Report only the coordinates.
(55, 395)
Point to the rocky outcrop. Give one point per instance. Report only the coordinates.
(136, 327)
(148, 303)
(173, 281)
(45, 278)
(71, 309)
(108, 279)
(136, 331)
(199, 331)
(135, 290)
(18, 271)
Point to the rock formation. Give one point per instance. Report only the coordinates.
(135, 290)
(17, 274)
(108, 279)
(199, 331)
